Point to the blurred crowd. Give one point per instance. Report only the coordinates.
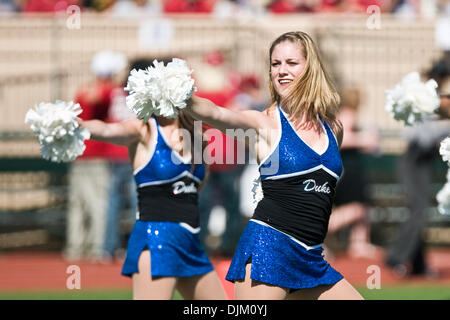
(230, 7)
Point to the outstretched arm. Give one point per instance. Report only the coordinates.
(121, 133)
(223, 118)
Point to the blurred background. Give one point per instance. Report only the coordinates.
(49, 50)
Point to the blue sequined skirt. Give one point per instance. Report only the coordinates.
(174, 250)
(279, 260)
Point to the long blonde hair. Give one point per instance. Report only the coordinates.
(313, 93)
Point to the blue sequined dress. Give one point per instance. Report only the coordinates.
(168, 219)
(283, 240)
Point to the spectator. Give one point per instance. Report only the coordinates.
(136, 7)
(361, 6)
(332, 6)
(249, 96)
(49, 5)
(283, 6)
(225, 9)
(89, 174)
(9, 6)
(254, 6)
(407, 8)
(188, 6)
(98, 5)
(294, 6)
(308, 6)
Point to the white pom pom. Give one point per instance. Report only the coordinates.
(412, 99)
(160, 90)
(57, 129)
(444, 150)
(257, 191)
(443, 197)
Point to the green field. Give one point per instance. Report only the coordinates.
(410, 292)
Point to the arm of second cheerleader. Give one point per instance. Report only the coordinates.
(223, 118)
(120, 133)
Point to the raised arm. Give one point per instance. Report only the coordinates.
(121, 133)
(223, 118)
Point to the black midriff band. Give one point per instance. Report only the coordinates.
(304, 215)
(159, 203)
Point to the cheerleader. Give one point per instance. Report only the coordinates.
(164, 251)
(279, 255)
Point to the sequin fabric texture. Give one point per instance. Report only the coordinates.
(175, 251)
(278, 260)
(165, 164)
(277, 257)
(293, 155)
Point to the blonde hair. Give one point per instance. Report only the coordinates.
(313, 93)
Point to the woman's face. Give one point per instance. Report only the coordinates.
(287, 63)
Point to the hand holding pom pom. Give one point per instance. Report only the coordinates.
(412, 99)
(57, 129)
(160, 90)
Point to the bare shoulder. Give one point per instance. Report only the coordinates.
(134, 125)
(271, 111)
(139, 129)
(265, 118)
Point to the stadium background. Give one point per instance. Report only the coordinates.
(45, 57)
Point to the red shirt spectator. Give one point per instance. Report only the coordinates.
(332, 6)
(362, 5)
(95, 102)
(49, 5)
(367, 3)
(282, 6)
(119, 112)
(193, 6)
